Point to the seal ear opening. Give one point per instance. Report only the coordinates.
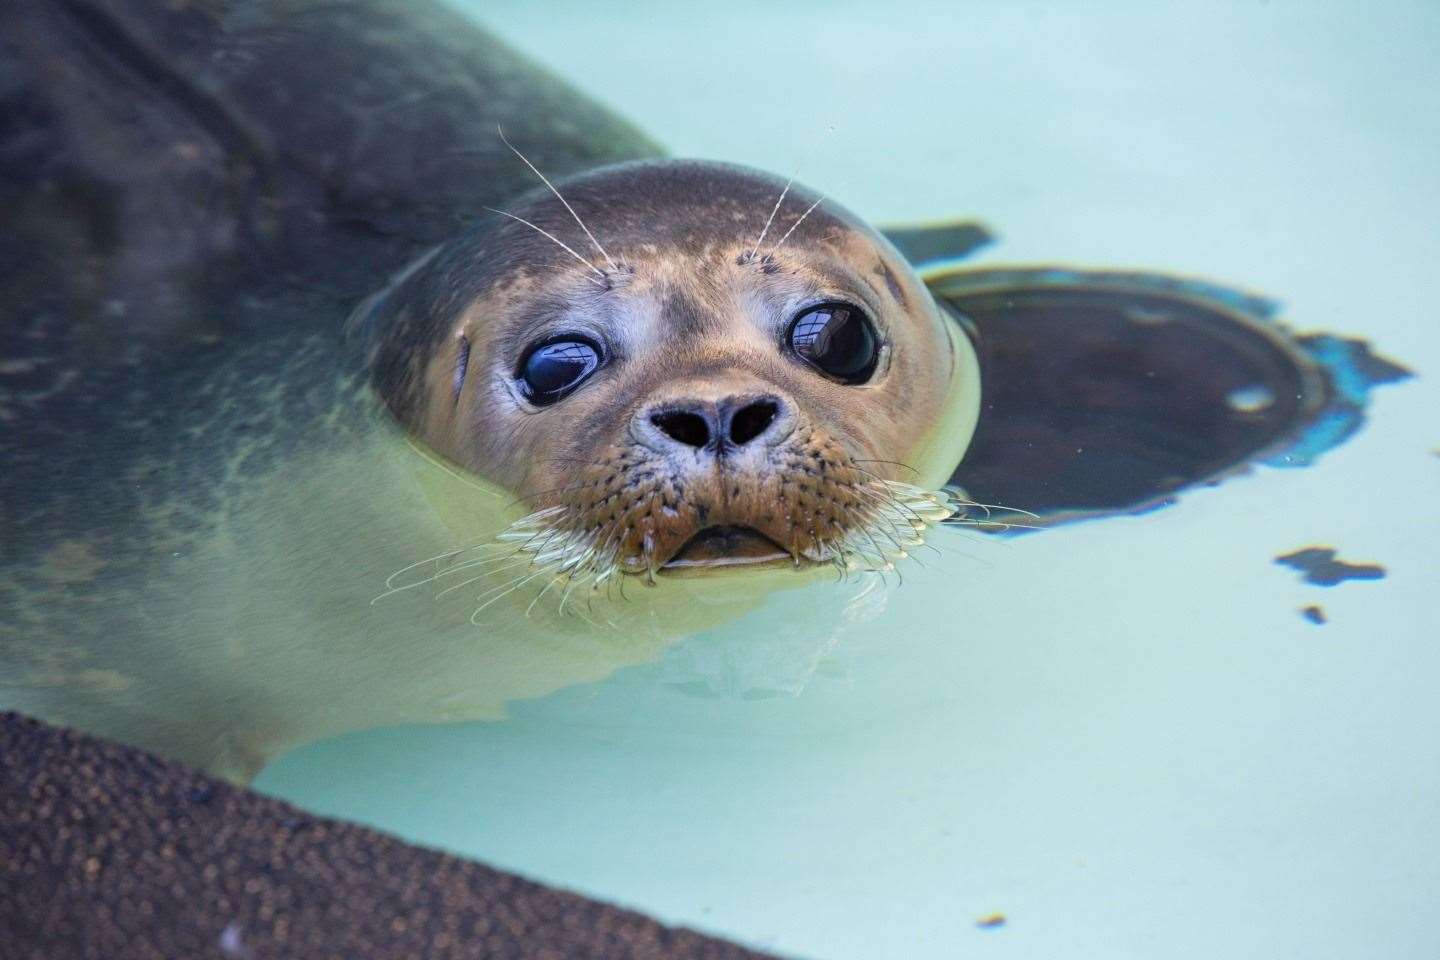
(462, 363)
(1106, 393)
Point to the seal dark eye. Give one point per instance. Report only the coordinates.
(552, 370)
(837, 339)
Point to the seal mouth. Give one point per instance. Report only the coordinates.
(726, 545)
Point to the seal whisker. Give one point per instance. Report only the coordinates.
(773, 210)
(574, 582)
(885, 558)
(870, 490)
(461, 584)
(957, 495)
(913, 537)
(546, 180)
(472, 564)
(897, 512)
(999, 524)
(886, 504)
(525, 543)
(561, 243)
(488, 573)
(796, 224)
(561, 611)
(390, 580)
(503, 589)
(518, 583)
(570, 555)
(531, 608)
(889, 500)
(544, 553)
(524, 495)
(893, 463)
(391, 588)
(997, 506)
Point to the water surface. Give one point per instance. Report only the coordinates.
(1122, 735)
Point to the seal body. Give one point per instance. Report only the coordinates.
(193, 207)
(229, 528)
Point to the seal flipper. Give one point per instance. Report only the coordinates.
(932, 245)
(1110, 392)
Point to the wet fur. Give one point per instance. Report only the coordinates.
(211, 497)
(696, 314)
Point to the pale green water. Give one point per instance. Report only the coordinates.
(1120, 734)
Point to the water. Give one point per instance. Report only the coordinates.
(1121, 735)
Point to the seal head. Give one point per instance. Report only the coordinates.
(671, 383)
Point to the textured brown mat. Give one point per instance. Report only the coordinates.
(110, 853)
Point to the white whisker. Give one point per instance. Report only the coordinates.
(488, 573)
(390, 580)
(998, 524)
(472, 564)
(547, 183)
(829, 131)
(773, 210)
(957, 495)
(391, 588)
(529, 609)
(796, 224)
(561, 243)
(502, 595)
(996, 506)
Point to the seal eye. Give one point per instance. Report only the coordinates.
(838, 340)
(552, 370)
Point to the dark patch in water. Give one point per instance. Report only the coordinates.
(1108, 392)
(1322, 569)
(1314, 614)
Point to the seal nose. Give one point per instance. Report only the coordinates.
(731, 423)
(747, 421)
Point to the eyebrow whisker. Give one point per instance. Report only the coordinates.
(546, 180)
(796, 224)
(558, 242)
(773, 210)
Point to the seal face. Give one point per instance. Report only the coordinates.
(684, 386)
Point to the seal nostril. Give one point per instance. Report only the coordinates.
(689, 428)
(751, 421)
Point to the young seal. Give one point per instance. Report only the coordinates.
(230, 529)
(588, 417)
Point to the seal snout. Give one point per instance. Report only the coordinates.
(716, 427)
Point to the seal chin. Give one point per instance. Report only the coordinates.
(726, 545)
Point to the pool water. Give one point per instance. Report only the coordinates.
(1123, 736)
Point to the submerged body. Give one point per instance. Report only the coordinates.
(230, 528)
(587, 401)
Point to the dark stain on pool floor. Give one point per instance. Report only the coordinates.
(1319, 566)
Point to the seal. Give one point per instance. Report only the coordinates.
(614, 410)
(588, 416)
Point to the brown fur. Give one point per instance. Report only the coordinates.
(694, 316)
